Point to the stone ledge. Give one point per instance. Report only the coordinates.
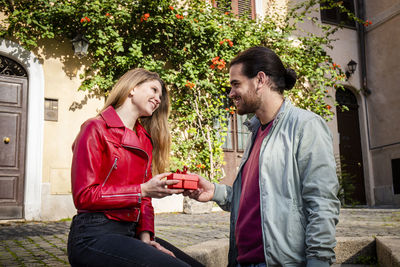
(388, 251)
(349, 250)
(354, 249)
(213, 253)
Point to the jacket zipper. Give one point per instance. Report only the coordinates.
(114, 166)
(147, 167)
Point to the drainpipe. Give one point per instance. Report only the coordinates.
(363, 62)
(369, 185)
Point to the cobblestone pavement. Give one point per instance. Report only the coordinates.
(44, 243)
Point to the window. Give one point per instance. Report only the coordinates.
(335, 16)
(240, 7)
(396, 175)
(50, 109)
(236, 133)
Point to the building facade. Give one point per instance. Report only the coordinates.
(37, 126)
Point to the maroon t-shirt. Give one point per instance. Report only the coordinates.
(248, 231)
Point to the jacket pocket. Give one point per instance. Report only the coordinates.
(297, 228)
(113, 167)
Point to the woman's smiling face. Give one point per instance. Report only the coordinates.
(147, 97)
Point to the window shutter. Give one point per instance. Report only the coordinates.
(335, 16)
(245, 8)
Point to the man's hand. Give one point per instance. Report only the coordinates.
(156, 187)
(204, 193)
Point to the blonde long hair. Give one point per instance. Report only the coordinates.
(157, 124)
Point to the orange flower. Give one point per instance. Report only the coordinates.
(190, 84)
(328, 107)
(198, 166)
(179, 16)
(226, 109)
(144, 17)
(195, 20)
(227, 13)
(226, 40)
(367, 23)
(217, 62)
(212, 66)
(85, 19)
(108, 14)
(171, 7)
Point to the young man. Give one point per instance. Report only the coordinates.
(283, 202)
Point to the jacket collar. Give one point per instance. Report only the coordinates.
(140, 140)
(254, 123)
(111, 118)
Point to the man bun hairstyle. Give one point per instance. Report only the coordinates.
(290, 78)
(259, 58)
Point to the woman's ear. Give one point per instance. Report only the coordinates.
(132, 92)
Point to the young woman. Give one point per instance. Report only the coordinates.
(114, 155)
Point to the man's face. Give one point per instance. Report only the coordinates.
(243, 91)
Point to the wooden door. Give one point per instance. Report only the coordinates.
(350, 144)
(13, 109)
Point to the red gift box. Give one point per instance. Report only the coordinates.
(186, 181)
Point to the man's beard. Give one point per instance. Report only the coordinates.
(249, 104)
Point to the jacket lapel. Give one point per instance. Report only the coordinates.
(139, 140)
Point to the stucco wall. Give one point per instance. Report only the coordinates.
(61, 74)
(61, 77)
(382, 44)
(346, 48)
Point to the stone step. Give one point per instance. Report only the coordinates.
(350, 252)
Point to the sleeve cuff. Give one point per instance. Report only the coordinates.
(219, 193)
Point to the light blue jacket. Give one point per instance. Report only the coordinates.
(298, 188)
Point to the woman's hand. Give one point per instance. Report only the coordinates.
(145, 237)
(156, 187)
(203, 193)
(161, 248)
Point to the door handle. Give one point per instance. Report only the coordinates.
(6, 140)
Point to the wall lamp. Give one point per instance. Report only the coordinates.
(81, 45)
(351, 68)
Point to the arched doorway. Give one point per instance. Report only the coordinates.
(13, 128)
(350, 145)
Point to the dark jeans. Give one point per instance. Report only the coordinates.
(95, 240)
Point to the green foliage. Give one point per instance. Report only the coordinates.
(346, 184)
(369, 260)
(188, 44)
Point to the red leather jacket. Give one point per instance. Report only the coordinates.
(109, 163)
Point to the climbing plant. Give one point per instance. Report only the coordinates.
(189, 43)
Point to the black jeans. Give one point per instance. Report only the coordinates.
(95, 240)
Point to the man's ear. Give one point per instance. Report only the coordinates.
(262, 79)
